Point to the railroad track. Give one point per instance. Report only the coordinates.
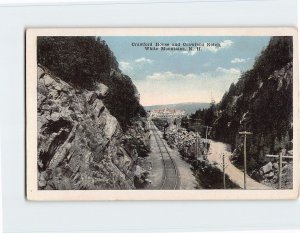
(170, 179)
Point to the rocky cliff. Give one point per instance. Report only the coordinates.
(81, 144)
(84, 62)
(261, 102)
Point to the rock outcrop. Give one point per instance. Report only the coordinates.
(189, 144)
(269, 173)
(80, 143)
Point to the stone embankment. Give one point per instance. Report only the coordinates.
(189, 144)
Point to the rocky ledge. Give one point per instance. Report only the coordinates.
(80, 144)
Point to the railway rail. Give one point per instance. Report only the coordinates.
(170, 179)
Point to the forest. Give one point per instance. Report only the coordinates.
(261, 102)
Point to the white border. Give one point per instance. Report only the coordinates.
(77, 2)
(31, 132)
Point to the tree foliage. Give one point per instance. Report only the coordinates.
(260, 102)
(85, 61)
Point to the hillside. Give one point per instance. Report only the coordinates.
(260, 102)
(83, 62)
(90, 133)
(189, 108)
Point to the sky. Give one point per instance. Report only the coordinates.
(168, 77)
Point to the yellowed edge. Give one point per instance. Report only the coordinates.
(70, 195)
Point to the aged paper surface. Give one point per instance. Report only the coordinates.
(162, 113)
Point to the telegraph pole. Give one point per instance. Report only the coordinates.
(197, 145)
(206, 134)
(245, 133)
(197, 123)
(224, 165)
(207, 128)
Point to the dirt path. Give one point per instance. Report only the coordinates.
(237, 176)
(187, 180)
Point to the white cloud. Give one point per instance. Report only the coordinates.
(143, 60)
(161, 76)
(219, 72)
(226, 43)
(133, 66)
(238, 60)
(172, 87)
(230, 71)
(170, 75)
(125, 66)
(210, 47)
(190, 53)
(223, 45)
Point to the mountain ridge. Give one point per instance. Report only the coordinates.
(260, 102)
(188, 107)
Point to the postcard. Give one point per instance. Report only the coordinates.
(162, 113)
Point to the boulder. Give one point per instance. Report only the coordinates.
(111, 126)
(267, 168)
(270, 175)
(275, 166)
(48, 80)
(101, 91)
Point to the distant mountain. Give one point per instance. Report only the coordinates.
(189, 108)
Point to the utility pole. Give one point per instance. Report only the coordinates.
(206, 134)
(207, 128)
(197, 123)
(282, 155)
(224, 165)
(245, 133)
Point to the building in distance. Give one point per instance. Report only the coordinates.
(167, 113)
